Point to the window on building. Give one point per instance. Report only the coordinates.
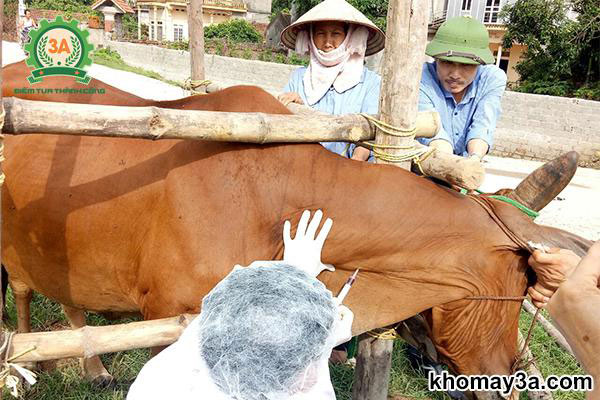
(466, 5)
(177, 32)
(492, 9)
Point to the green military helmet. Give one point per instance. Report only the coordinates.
(463, 40)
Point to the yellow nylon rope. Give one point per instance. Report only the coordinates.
(384, 334)
(192, 85)
(413, 153)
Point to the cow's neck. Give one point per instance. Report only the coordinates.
(415, 243)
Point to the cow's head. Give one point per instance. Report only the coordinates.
(477, 336)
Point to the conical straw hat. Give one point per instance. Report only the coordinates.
(335, 10)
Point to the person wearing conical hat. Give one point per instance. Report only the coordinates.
(464, 86)
(337, 37)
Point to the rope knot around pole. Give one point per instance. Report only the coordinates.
(193, 85)
(9, 371)
(414, 154)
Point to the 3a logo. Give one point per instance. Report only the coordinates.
(58, 48)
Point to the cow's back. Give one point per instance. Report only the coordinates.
(15, 84)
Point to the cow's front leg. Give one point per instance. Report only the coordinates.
(93, 369)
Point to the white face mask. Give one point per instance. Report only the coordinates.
(341, 68)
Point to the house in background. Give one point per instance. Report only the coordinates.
(487, 12)
(167, 20)
(113, 11)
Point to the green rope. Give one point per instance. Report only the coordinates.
(527, 211)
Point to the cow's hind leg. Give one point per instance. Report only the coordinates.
(93, 368)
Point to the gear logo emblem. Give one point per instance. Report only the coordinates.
(58, 48)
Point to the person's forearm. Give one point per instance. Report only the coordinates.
(576, 317)
(478, 147)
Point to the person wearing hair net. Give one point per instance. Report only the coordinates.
(337, 37)
(265, 332)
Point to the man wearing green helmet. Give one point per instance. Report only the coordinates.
(462, 88)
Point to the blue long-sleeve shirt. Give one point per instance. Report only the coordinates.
(476, 115)
(362, 98)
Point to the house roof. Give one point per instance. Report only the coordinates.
(120, 4)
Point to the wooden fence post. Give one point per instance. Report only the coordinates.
(403, 62)
(196, 36)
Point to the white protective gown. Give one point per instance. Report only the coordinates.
(179, 372)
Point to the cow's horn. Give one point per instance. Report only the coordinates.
(541, 186)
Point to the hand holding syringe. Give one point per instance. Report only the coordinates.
(346, 288)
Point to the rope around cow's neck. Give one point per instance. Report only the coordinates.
(391, 333)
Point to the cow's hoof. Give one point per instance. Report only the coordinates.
(104, 381)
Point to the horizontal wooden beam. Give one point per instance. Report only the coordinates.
(35, 117)
(94, 340)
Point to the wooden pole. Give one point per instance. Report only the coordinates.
(196, 34)
(1, 156)
(549, 328)
(460, 171)
(95, 340)
(532, 369)
(27, 116)
(404, 54)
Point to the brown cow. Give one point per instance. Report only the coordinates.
(130, 225)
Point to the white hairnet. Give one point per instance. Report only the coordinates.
(263, 328)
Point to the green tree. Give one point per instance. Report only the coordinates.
(562, 54)
(71, 6)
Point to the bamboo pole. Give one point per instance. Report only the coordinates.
(1, 155)
(460, 171)
(95, 340)
(549, 328)
(532, 369)
(405, 47)
(26, 116)
(196, 37)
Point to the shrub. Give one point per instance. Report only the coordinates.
(107, 54)
(235, 30)
(589, 92)
(130, 26)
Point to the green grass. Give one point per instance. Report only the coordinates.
(66, 383)
(112, 59)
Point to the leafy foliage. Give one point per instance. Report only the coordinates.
(563, 54)
(70, 6)
(235, 30)
(130, 26)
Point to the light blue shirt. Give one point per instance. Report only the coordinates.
(362, 98)
(474, 117)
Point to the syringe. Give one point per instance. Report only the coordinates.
(344, 292)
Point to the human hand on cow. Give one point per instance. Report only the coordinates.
(304, 251)
(574, 308)
(361, 154)
(290, 97)
(552, 268)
